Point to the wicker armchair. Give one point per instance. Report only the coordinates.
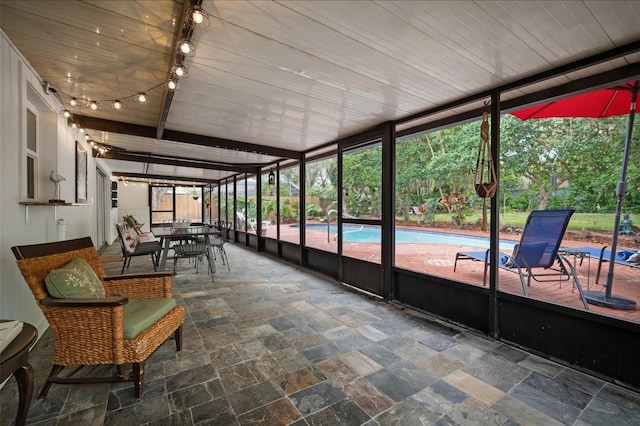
(91, 331)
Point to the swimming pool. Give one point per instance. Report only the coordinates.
(371, 234)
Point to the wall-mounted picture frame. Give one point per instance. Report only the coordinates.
(81, 174)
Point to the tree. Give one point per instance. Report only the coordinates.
(412, 180)
(362, 180)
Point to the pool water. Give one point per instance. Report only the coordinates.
(371, 234)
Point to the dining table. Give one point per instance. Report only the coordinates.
(166, 235)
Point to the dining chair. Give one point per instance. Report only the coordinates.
(218, 243)
(191, 243)
(132, 246)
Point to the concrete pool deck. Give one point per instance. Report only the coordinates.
(438, 260)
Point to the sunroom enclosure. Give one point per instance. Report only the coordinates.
(304, 211)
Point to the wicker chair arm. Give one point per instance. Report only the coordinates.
(140, 286)
(105, 302)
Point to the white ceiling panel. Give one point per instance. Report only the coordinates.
(296, 75)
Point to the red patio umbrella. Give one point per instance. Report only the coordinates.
(606, 102)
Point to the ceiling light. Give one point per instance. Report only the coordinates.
(74, 125)
(73, 102)
(81, 130)
(142, 98)
(180, 71)
(93, 106)
(186, 47)
(172, 84)
(117, 105)
(87, 137)
(198, 16)
(65, 113)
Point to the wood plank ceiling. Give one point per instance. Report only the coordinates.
(271, 79)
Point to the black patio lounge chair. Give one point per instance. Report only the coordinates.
(536, 251)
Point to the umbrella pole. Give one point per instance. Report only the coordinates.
(607, 299)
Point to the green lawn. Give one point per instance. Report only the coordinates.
(579, 221)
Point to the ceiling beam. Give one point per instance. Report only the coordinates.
(115, 154)
(185, 27)
(172, 179)
(87, 122)
(173, 135)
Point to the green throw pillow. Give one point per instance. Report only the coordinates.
(75, 280)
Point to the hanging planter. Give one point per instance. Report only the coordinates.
(484, 163)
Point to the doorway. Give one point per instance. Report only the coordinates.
(360, 218)
(102, 218)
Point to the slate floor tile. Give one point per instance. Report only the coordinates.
(216, 412)
(359, 363)
(316, 397)
(439, 342)
(236, 377)
(344, 413)
(322, 352)
(601, 412)
(559, 390)
(407, 413)
(380, 354)
(301, 379)
(367, 396)
(337, 371)
(620, 397)
(268, 343)
(393, 386)
(545, 403)
(280, 412)
(254, 396)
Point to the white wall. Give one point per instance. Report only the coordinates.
(133, 199)
(20, 224)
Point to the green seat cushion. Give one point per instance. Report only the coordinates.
(139, 314)
(75, 280)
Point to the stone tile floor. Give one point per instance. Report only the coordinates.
(271, 344)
